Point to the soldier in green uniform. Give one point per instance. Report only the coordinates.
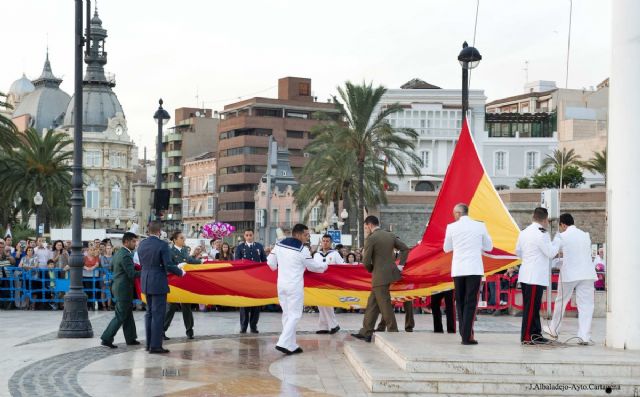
(124, 292)
(179, 254)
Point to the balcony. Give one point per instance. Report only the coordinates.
(202, 214)
(172, 169)
(108, 213)
(173, 217)
(175, 200)
(172, 185)
(173, 137)
(174, 153)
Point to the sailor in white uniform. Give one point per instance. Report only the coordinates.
(291, 258)
(535, 249)
(327, 322)
(467, 239)
(576, 273)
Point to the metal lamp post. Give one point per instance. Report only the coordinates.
(469, 58)
(162, 117)
(334, 221)
(37, 200)
(75, 318)
(344, 215)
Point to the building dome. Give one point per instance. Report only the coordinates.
(99, 104)
(19, 89)
(47, 103)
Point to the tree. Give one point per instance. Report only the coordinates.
(571, 177)
(524, 183)
(8, 130)
(560, 159)
(598, 163)
(371, 136)
(39, 164)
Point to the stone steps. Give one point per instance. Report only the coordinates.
(384, 377)
(427, 364)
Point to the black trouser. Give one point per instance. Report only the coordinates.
(154, 319)
(187, 316)
(531, 300)
(249, 317)
(436, 301)
(467, 288)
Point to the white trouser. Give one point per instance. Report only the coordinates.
(291, 301)
(585, 295)
(327, 319)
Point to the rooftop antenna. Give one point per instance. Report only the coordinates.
(526, 72)
(566, 81)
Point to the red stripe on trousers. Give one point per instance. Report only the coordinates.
(532, 297)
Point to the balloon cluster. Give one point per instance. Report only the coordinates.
(217, 230)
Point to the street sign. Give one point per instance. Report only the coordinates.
(336, 236)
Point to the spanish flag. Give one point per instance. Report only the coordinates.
(244, 283)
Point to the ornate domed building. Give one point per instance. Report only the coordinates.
(109, 153)
(40, 105)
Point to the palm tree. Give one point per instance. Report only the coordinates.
(39, 164)
(598, 163)
(560, 160)
(8, 130)
(368, 140)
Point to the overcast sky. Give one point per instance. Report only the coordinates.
(223, 50)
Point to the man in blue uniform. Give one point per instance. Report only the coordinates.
(252, 251)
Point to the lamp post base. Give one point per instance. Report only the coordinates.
(75, 319)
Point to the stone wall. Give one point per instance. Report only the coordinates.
(407, 213)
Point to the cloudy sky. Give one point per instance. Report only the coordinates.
(219, 51)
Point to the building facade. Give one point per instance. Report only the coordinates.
(522, 130)
(194, 134)
(436, 115)
(199, 196)
(244, 132)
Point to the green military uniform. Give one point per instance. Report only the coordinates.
(123, 290)
(180, 255)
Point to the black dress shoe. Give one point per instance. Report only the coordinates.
(408, 330)
(322, 331)
(334, 329)
(243, 331)
(190, 334)
(165, 337)
(255, 331)
(134, 343)
(297, 351)
(362, 337)
(283, 350)
(108, 344)
(158, 351)
(469, 342)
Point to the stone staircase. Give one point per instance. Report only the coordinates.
(427, 364)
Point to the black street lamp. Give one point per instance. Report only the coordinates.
(37, 200)
(162, 117)
(75, 318)
(469, 58)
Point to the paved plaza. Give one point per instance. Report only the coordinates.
(219, 362)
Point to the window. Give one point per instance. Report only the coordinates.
(315, 215)
(185, 206)
(304, 89)
(532, 162)
(297, 115)
(287, 217)
(117, 160)
(212, 183)
(116, 196)
(295, 134)
(210, 205)
(424, 158)
(500, 163)
(93, 158)
(93, 196)
(185, 186)
(274, 217)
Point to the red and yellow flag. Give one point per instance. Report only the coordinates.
(243, 283)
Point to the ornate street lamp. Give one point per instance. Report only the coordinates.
(344, 215)
(469, 58)
(37, 200)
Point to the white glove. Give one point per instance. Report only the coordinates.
(184, 272)
(181, 265)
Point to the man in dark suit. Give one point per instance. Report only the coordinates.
(155, 260)
(379, 259)
(123, 291)
(252, 251)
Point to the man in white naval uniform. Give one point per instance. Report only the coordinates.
(467, 239)
(291, 258)
(327, 322)
(576, 272)
(535, 249)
